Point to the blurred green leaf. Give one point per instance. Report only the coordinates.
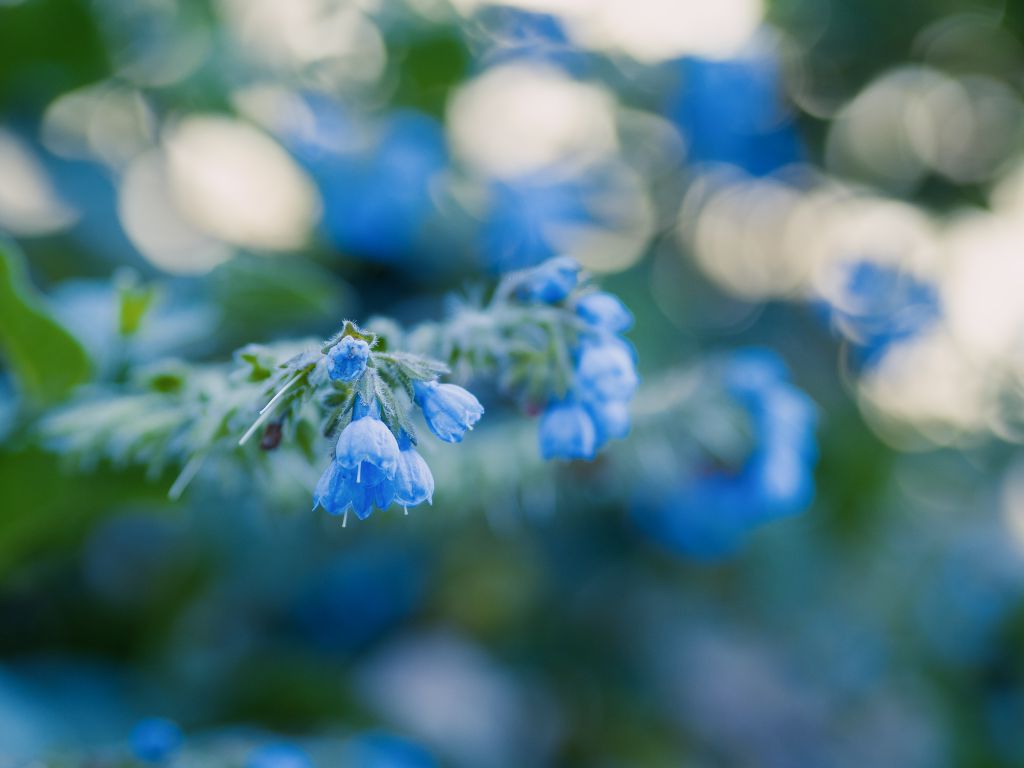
(46, 360)
(135, 300)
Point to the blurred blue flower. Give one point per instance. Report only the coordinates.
(611, 419)
(552, 281)
(524, 218)
(605, 370)
(732, 111)
(155, 739)
(605, 311)
(375, 181)
(346, 361)
(278, 755)
(880, 305)
(505, 33)
(359, 595)
(567, 431)
(379, 750)
(708, 514)
(449, 409)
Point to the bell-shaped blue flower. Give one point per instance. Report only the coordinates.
(155, 739)
(551, 281)
(449, 409)
(604, 311)
(278, 755)
(346, 361)
(567, 431)
(606, 370)
(367, 444)
(611, 419)
(414, 483)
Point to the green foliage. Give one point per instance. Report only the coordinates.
(46, 360)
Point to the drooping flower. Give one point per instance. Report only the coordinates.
(363, 471)
(567, 431)
(414, 483)
(449, 409)
(611, 419)
(551, 281)
(367, 444)
(346, 361)
(604, 311)
(155, 739)
(278, 755)
(606, 370)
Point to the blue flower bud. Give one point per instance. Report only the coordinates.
(368, 443)
(449, 409)
(606, 370)
(551, 281)
(605, 311)
(279, 755)
(155, 739)
(567, 431)
(414, 482)
(346, 360)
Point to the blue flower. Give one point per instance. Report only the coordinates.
(605, 312)
(606, 370)
(880, 305)
(515, 34)
(360, 594)
(414, 482)
(341, 489)
(611, 419)
(346, 361)
(709, 514)
(449, 409)
(567, 431)
(524, 216)
(551, 281)
(367, 444)
(366, 461)
(278, 755)
(732, 111)
(155, 739)
(376, 180)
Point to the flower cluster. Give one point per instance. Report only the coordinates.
(595, 405)
(375, 462)
(708, 515)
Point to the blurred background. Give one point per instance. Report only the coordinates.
(836, 186)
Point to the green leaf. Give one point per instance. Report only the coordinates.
(134, 300)
(47, 361)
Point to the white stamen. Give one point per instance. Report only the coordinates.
(187, 474)
(359, 472)
(268, 409)
(344, 520)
